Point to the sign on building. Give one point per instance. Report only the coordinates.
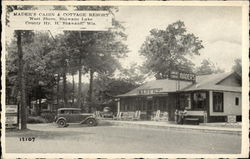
(231, 118)
(11, 116)
(184, 76)
(60, 20)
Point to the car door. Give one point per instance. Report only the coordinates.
(69, 116)
(76, 116)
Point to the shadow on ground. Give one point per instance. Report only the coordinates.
(42, 134)
(51, 131)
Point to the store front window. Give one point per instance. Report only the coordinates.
(199, 100)
(185, 101)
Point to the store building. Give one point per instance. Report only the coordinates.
(217, 96)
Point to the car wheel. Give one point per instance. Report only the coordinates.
(61, 123)
(91, 122)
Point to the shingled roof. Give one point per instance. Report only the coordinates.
(166, 86)
(212, 82)
(203, 82)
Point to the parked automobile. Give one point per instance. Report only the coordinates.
(73, 115)
(107, 113)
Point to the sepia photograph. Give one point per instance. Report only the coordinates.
(125, 78)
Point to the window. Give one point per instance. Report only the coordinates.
(66, 111)
(199, 99)
(185, 101)
(44, 106)
(76, 111)
(217, 102)
(236, 100)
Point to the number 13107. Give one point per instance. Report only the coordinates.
(27, 139)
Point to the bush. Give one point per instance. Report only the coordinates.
(35, 120)
(48, 116)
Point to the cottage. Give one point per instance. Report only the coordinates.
(216, 96)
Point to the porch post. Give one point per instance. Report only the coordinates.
(118, 105)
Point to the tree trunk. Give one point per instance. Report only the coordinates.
(73, 90)
(58, 90)
(65, 88)
(35, 106)
(91, 74)
(79, 86)
(21, 79)
(39, 100)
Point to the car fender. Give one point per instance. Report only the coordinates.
(60, 119)
(90, 117)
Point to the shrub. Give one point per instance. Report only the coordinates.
(36, 119)
(48, 116)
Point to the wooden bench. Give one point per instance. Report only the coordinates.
(193, 117)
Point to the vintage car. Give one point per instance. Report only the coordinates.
(73, 115)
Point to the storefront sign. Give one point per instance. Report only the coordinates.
(149, 91)
(60, 20)
(11, 109)
(231, 119)
(182, 76)
(11, 115)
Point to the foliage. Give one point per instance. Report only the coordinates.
(35, 120)
(167, 50)
(237, 67)
(106, 88)
(48, 116)
(39, 65)
(133, 74)
(46, 57)
(207, 67)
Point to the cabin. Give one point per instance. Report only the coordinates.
(215, 96)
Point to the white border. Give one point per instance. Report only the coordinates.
(245, 79)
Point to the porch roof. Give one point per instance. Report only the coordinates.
(165, 86)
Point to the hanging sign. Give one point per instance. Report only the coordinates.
(60, 20)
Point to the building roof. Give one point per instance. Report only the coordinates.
(166, 86)
(212, 82)
(203, 82)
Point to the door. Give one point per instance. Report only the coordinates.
(149, 109)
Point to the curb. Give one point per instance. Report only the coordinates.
(172, 127)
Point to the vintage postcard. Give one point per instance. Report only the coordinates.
(105, 79)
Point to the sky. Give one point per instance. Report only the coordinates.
(218, 27)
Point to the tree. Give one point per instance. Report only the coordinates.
(106, 88)
(39, 66)
(207, 67)
(133, 74)
(96, 51)
(167, 50)
(21, 37)
(237, 67)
